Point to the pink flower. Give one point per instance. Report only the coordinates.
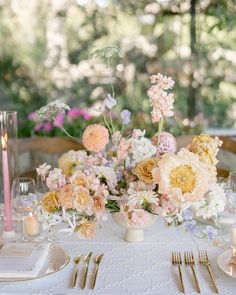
(55, 180)
(38, 127)
(31, 116)
(95, 138)
(85, 114)
(59, 120)
(166, 205)
(164, 81)
(138, 217)
(123, 149)
(74, 113)
(167, 143)
(99, 203)
(161, 101)
(48, 127)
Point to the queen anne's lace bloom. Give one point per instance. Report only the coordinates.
(49, 111)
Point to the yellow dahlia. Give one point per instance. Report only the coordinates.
(206, 148)
(82, 201)
(50, 202)
(95, 138)
(86, 229)
(183, 176)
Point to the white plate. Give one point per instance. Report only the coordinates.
(223, 262)
(57, 259)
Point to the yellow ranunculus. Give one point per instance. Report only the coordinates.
(144, 169)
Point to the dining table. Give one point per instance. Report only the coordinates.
(142, 268)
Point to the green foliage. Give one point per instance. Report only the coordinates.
(60, 51)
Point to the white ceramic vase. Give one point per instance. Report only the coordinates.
(134, 233)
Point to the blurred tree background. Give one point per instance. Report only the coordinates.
(47, 45)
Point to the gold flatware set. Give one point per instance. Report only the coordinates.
(190, 262)
(86, 260)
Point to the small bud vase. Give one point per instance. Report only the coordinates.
(134, 233)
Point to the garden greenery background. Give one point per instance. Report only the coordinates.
(47, 46)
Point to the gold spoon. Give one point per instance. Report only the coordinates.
(86, 261)
(77, 262)
(97, 260)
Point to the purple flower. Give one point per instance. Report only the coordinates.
(59, 120)
(74, 113)
(47, 127)
(190, 226)
(31, 116)
(210, 231)
(125, 116)
(38, 127)
(109, 102)
(188, 215)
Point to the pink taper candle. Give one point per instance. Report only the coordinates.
(6, 187)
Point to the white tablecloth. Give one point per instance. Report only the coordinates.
(131, 269)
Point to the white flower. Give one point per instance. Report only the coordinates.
(109, 102)
(78, 157)
(213, 203)
(116, 137)
(141, 148)
(109, 175)
(138, 133)
(43, 170)
(49, 111)
(138, 197)
(125, 117)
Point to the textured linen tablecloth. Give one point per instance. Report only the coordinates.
(131, 269)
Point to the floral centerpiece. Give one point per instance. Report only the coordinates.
(133, 175)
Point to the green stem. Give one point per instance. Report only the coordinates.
(122, 129)
(112, 126)
(107, 124)
(110, 77)
(68, 134)
(160, 127)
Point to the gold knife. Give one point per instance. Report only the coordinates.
(86, 261)
(97, 260)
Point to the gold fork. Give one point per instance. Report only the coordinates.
(86, 261)
(97, 260)
(177, 260)
(189, 260)
(77, 262)
(203, 259)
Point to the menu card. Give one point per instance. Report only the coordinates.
(22, 260)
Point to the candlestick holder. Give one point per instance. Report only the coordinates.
(9, 169)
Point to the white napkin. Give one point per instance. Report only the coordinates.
(22, 260)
